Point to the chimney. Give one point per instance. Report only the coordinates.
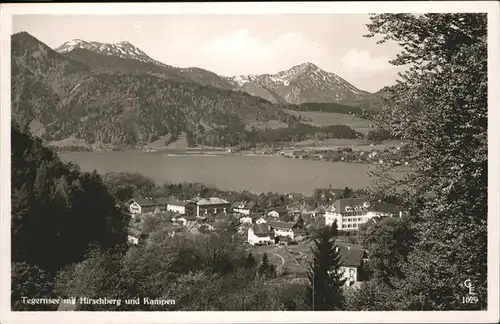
(336, 249)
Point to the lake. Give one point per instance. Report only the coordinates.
(229, 172)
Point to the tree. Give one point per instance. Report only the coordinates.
(325, 280)
(250, 261)
(347, 193)
(29, 281)
(439, 107)
(265, 267)
(389, 243)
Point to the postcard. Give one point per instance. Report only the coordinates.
(250, 162)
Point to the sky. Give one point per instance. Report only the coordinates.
(232, 45)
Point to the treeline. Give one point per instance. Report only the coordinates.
(70, 148)
(57, 212)
(245, 139)
(327, 107)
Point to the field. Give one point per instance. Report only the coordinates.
(354, 144)
(319, 119)
(291, 259)
(272, 124)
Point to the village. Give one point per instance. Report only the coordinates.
(369, 154)
(282, 233)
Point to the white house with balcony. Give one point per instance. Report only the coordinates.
(350, 213)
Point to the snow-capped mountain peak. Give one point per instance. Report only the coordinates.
(305, 82)
(122, 49)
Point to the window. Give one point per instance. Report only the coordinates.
(344, 226)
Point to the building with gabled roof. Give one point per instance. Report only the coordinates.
(211, 206)
(244, 208)
(349, 213)
(351, 260)
(259, 234)
(141, 205)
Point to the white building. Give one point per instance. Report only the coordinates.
(349, 213)
(211, 206)
(283, 229)
(246, 220)
(146, 205)
(244, 208)
(177, 206)
(260, 220)
(260, 234)
(351, 259)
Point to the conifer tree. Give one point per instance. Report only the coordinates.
(324, 291)
(250, 261)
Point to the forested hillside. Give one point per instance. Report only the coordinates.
(57, 212)
(131, 109)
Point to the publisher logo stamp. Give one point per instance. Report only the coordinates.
(471, 297)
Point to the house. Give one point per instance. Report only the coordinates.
(328, 193)
(299, 233)
(146, 205)
(277, 213)
(246, 220)
(186, 219)
(319, 211)
(351, 259)
(211, 206)
(257, 219)
(283, 229)
(349, 213)
(181, 207)
(134, 235)
(260, 234)
(244, 208)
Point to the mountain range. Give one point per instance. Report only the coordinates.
(299, 84)
(118, 95)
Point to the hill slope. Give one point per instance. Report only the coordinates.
(69, 98)
(125, 57)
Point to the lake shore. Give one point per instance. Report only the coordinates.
(254, 173)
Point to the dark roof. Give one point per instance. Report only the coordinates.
(175, 202)
(342, 203)
(246, 205)
(386, 208)
(280, 210)
(334, 191)
(212, 201)
(298, 230)
(351, 255)
(190, 218)
(261, 229)
(256, 216)
(146, 202)
(282, 225)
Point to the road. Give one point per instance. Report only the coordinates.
(282, 260)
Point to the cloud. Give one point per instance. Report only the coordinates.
(241, 51)
(362, 61)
